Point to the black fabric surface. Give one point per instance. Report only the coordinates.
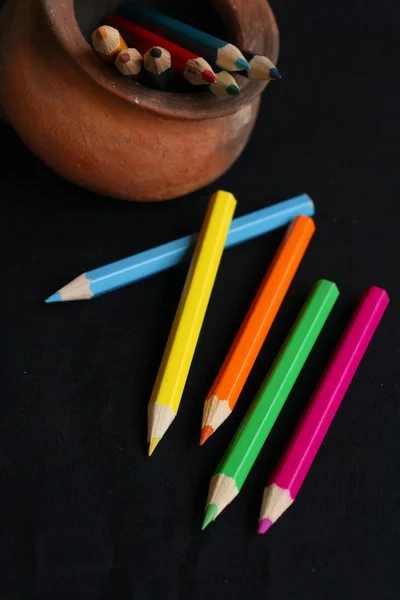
(84, 513)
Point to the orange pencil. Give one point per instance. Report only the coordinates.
(258, 321)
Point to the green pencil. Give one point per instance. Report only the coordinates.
(232, 472)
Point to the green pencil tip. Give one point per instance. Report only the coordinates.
(233, 90)
(211, 514)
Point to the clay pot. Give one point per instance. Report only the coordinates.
(114, 136)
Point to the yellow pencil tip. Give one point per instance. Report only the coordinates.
(153, 445)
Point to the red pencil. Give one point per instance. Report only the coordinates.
(194, 68)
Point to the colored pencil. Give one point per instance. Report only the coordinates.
(185, 331)
(248, 342)
(157, 63)
(224, 86)
(129, 62)
(107, 42)
(263, 412)
(149, 262)
(225, 55)
(193, 67)
(262, 68)
(299, 454)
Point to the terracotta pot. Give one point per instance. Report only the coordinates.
(114, 136)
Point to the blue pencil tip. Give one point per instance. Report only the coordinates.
(274, 73)
(241, 64)
(54, 298)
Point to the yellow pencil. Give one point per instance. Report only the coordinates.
(189, 317)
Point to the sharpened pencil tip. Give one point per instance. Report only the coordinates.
(206, 432)
(209, 76)
(153, 445)
(264, 525)
(274, 73)
(242, 63)
(210, 515)
(54, 298)
(233, 90)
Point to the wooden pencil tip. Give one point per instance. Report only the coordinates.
(274, 73)
(101, 33)
(242, 64)
(211, 513)
(206, 432)
(155, 52)
(153, 445)
(264, 525)
(208, 76)
(53, 298)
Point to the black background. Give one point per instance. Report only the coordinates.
(84, 512)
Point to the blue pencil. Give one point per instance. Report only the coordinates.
(128, 270)
(225, 55)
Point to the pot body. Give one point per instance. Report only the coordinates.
(107, 134)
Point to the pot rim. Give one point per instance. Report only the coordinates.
(60, 14)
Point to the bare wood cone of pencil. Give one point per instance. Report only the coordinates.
(225, 85)
(107, 41)
(185, 331)
(157, 63)
(129, 62)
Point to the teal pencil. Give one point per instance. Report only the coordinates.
(225, 55)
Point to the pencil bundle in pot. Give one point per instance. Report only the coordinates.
(216, 51)
(192, 66)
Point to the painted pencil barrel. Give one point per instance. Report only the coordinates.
(189, 317)
(150, 262)
(248, 342)
(276, 388)
(166, 256)
(264, 410)
(301, 450)
(225, 55)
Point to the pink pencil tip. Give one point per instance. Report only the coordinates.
(264, 525)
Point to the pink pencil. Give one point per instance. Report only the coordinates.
(290, 472)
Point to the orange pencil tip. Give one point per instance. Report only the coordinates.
(101, 33)
(206, 432)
